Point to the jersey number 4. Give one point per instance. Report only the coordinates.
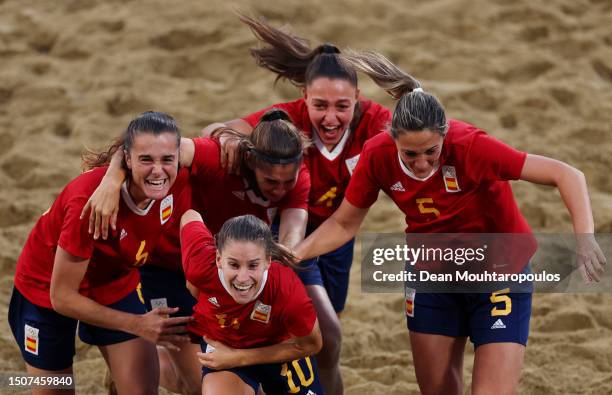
(141, 255)
(328, 197)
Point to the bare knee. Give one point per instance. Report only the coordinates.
(189, 386)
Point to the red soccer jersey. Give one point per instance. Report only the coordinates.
(219, 196)
(469, 192)
(110, 275)
(330, 172)
(282, 309)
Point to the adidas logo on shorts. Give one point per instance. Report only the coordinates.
(499, 324)
(398, 187)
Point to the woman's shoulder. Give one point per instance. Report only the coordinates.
(85, 183)
(461, 133)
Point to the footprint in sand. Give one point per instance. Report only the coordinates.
(12, 214)
(534, 33)
(526, 72)
(480, 98)
(126, 103)
(563, 96)
(603, 70)
(17, 166)
(176, 39)
(6, 143)
(567, 321)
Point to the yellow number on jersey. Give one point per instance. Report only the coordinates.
(328, 197)
(293, 389)
(501, 297)
(427, 210)
(141, 255)
(222, 319)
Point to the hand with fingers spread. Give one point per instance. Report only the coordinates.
(103, 207)
(103, 204)
(157, 327)
(221, 356)
(591, 259)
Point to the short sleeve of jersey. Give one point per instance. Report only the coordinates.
(298, 196)
(380, 121)
(490, 159)
(299, 315)
(291, 108)
(198, 253)
(74, 236)
(362, 190)
(206, 157)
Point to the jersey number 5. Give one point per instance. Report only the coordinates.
(501, 297)
(427, 210)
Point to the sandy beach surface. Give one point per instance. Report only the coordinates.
(536, 74)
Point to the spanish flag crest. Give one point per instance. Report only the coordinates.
(165, 209)
(410, 296)
(450, 179)
(261, 312)
(31, 339)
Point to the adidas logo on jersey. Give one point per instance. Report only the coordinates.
(123, 234)
(239, 194)
(398, 187)
(499, 324)
(214, 301)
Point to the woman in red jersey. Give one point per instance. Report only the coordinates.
(449, 176)
(64, 277)
(273, 180)
(339, 121)
(259, 324)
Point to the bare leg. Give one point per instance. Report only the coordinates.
(328, 359)
(44, 391)
(225, 383)
(438, 363)
(180, 371)
(133, 365)
(497, 368)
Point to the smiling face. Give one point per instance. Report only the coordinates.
(420, 150)
(331, 106)
(153, 160)
(243, 264)
(275, 181)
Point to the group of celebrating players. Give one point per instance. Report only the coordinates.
(188, 288)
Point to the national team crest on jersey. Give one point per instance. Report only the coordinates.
(351, 163)
(261, 312)
(450, 179)
(31, 339)
(159, 303)
(165, 209)
(410, 296)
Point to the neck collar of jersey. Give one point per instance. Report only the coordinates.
(264, 280)
(333, 154)
(410, 174)
(254, 194)
(127, 198)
